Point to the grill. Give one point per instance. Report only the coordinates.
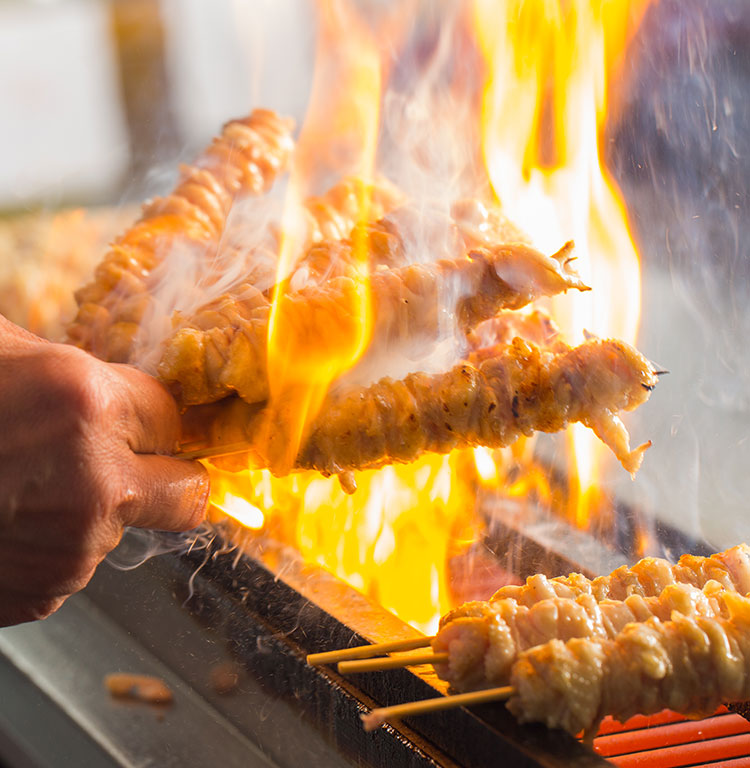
(667, 740)
(183, 617)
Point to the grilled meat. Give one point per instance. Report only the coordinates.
(484, 639)
(690, 664)
(245, 159)
(222, 349)
(520, 390)
(647, 577)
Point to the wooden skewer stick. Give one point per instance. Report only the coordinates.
(215, 450)
(377, 717)
(367, 651)
(390, 662)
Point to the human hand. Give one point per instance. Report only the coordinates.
(79, 459)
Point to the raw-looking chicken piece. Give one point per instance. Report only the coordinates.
(483, 639)
(647, 577)
(223, 348)
(482, 224)
(246, 158)
(690, 664)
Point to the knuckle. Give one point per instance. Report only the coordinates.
(42, 608)
(74, 384)
(71, 575)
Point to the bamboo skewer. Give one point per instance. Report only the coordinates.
(377, 717)
(214, 451)
(367, 651)
(390, 662)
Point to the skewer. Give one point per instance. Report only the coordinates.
(377, 717)
(367, 651)
(214, 451)
(390, 662)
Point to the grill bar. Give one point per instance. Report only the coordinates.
(668, 740)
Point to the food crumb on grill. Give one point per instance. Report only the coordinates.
(224, 677)
(143, 688)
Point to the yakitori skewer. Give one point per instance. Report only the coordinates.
(391, 662)
(367, 651)
(377, 717)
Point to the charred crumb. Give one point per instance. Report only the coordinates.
(141, 688)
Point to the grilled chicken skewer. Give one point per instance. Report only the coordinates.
(223, 349)
(647, 577)
(520, 390)
(245, 159)
(484, 640)
(652, 587)
(690, 664)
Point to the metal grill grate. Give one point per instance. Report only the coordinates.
(668, 740)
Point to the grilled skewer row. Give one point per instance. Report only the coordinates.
(483, 639)
(648, 577)
(223, 349)
(484, 642)
(689, 664)
(521, 389)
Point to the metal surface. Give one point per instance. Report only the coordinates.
(55, 710)
(529, 540)
(267, 621)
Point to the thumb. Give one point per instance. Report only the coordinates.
(169, 494)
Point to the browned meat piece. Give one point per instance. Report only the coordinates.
(327, 218)
(222, 350)
(535, 326)
(646, 578)
(484, 639)
(690, 664)
(245, 159)
(378, 243)
(334, 214)
(143, 688)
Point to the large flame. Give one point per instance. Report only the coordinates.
(548, 65)
(306, 354)
(550, 68)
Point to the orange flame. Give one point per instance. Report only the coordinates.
(548, 68)
(307, 353)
